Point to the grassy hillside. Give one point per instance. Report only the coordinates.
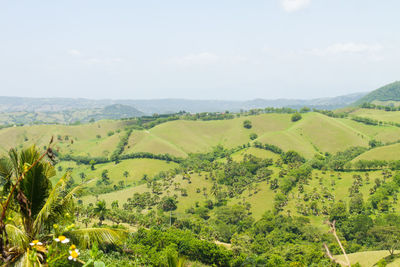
(377, 114)
(388, 153)
(312, 134)
(386, 93)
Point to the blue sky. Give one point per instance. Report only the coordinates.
(204, 49)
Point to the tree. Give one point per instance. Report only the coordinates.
(100, 210)
(38, 207)
(126, 174)
(91, 163)
(168, 204)
(247, 124)
(338, 212)
(114, 204)
(296, 117)
(292, 157)
(83, 176)
(104, 177)
(356, 204)
(386, 237)
(253, 136)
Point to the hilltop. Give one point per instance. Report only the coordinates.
(388, 94)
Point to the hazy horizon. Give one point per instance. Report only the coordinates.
(209, 50)
(188, 99)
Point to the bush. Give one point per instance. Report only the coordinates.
(247, 124)
(296, 117)
(253, 136)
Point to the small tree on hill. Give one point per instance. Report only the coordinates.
(296, 117)
(247, 124)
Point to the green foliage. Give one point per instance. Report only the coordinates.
(296, 117)
(292, 157)
(388, 92)
(253, 136)
(247, 124)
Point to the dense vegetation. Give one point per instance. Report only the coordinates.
(252, 203)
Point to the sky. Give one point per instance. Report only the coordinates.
(197, 49)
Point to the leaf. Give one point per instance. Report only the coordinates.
(36, 185)
(51, 202)
(89, 236)
(99, 264)
(16, 236)
(88, 263)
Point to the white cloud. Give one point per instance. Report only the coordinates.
(348, 48)
(294, 5)
(74, 52)
(204, 58)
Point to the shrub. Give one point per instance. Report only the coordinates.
(253, 136)
(296, 117)
(247, 124)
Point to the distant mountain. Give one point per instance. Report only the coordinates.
(68, 116)
(176, 105)
(69, 110)
(389, 92)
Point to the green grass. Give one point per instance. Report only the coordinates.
(83, 137)
(136, 168)
(377, 114)
(258, 152)
(182, 137)
(390, 152)
(367, 132)
(367, 258)
(314, 133)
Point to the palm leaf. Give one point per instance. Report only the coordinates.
(88, 236)
(23, 261)
(71, 194)
(36, 184)
(51, 202)
(16, 236)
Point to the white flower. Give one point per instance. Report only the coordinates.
(62, 239)
(36, 243)
(73, 254)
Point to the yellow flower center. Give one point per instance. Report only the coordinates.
(72, 247)
(74, 254)
(35, 241)
(62, 238)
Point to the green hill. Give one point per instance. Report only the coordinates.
(314, 133)
(389, 92)
(233, 177)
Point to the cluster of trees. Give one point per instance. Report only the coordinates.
(99, 160)
(380, 107)
(330, 113)
(121, 145)
(365, 120)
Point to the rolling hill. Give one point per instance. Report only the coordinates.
(314, 133)
(387, 93)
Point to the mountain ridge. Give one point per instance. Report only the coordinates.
(172, 105)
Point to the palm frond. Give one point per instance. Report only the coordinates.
(14, 159)
(51, 202)
(16, 236)
(23, 261)
(88, 236)
(71, 194)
